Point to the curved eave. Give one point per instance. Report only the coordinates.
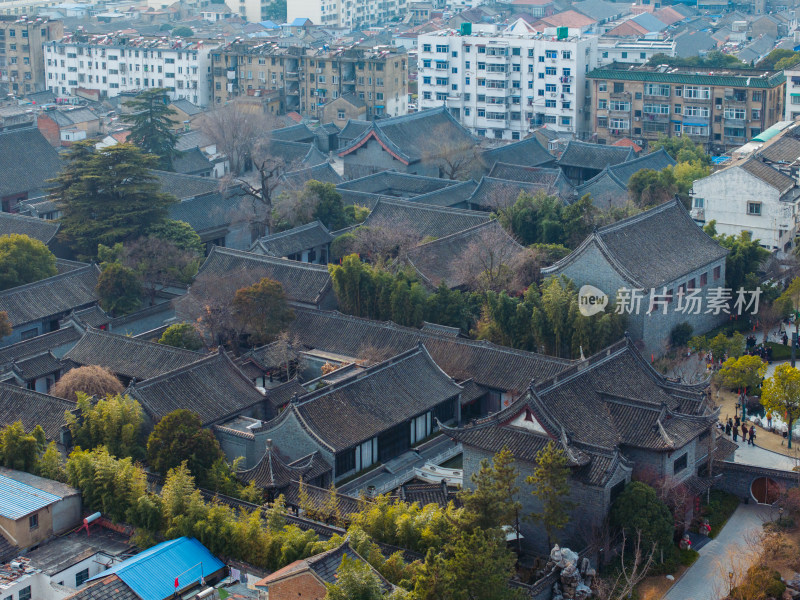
(365, 137)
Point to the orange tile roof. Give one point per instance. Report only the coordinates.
(568, 18)
(628, 142)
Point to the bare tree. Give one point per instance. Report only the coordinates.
(236, 129)
(632, 570)
(455, 160)
(384, 239)
(487, 262)
(160, 264)
(370, 355)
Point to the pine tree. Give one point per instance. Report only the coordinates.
(107, 196)
(151, 128)
(492, 502)
(550, 485)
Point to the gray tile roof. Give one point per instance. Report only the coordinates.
(451, 259)
(67, 118)
(375, 399)
(651, 249)
(657, 161)
(495, 194)
(317, 497)
(423, 220)
(186, 186)
(27, 161)
(411, 138)
(187, 107)
(488, 364)
(33, 367)
(51, 297)
(109, 588)
(302, 282)
(213, 387)
(453, 196)
(594, 156)
(38, 229)
(352, 129)
(392, 183)
(208, 212)
(193, 139)
(192, 162)
(528, 152)
(293, 133)
(295, 154)
(322, 172)
(128, 357)
(785, 150)
(54, 340)
(33, 408)
(274, 472)
(293, 240)
(768, 174)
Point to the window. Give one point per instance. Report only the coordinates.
(703, 279)
(540, 75)
(549, 70)
(33, 521)
(757, 96)
(467, 112)
(516, 51)
(550, 87)
(345, 461)
(81, 577)
(551, 53)
(620, 105)
(656, 89)
(655, 109)
(624, 55)
(680, 464)
(756, 114)
(426, 64)
(442, 48)
(550, 103)
(602, 86)
(566, 55)
(340, 115)
(754, 208)
(426, 80)
(643, 55)
(619, 124)
(541, 58)
(696, 111)
(717, 273)
(734, 113)
(693, 91)
(25, 593)
(602, 122)
(426, 47)
(619, 87)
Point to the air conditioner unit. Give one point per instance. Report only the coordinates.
(635, 118)
(678, 134)
(638, 142)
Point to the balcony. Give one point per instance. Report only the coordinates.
(657, 117)
(735, 101)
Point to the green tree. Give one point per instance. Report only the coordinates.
(24, 260)
(179, 437)
(550, 482)
(680, 335)
(771, 60)
(151, 125)
(159, 264)
(327, 202)
(639, 510)
(744, 373)
(50, 464)
(5, 324)
(183, 31)
(682, 149)
(180, 234)
(543, 219)
(116, 422)
(107, 196)
(262, 310)
(91, 380)
(182, 335)
(355, 580)
(745, 257)
(20, 450)
(780, 394)
(119, 289)
(650, 188)
(492, 500)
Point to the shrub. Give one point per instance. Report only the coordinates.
(91, 380)
(680, 335)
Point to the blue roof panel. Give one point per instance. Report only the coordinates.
(20, 499)
(151, 574)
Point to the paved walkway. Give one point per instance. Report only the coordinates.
(706, 579)
(760, 457)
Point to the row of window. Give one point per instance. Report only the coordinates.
(650, 108)
(498, 51)
(131, 53)
(692, 92)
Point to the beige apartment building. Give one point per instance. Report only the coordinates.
(720, 109)
(310, 79)
(22, 54)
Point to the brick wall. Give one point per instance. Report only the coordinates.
(301, 587)
(50, 130)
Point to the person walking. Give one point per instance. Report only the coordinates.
(735, 433)
(728, 427)
(769, 421)
(736, 421)
(752, 435)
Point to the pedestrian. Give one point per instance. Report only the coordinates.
(752, 435)
(735, 433)
(728, 428)
(769, 421)
(785, 339)
(736, 421)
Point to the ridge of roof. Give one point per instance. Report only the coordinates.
(220, 355)
(428, 207)
(49, 280)
(264, 258)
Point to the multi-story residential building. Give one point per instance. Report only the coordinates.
(792, 92)
(502, 82)
(716, 108)
(611, 50)
(21, 53)
(311, 79)
(113, 64)
(346, 13)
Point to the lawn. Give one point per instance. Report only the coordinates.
(720, 508)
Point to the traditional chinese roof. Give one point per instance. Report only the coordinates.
(302, 282)
(768, 174)
(392, 183)
(32, 409)
(452, 259)
(528, 152)
(210, 211)
(374, 400)
(784, 151)
(651, 249)
(192, 162)
(295, 154)
(293, 133)
(128, 357)
(490, 365)
(186, 186)
(272, 472)
(51, 297)
(593, 156)
(58, 339)
(27, 161)
(426, 134)
(213, 387)
(93, 316)
(318, 498)
(38, 229)
(352, 129)
(423, 220)
(452, 196)
(292, 241)
(323, 172)
(495, 194)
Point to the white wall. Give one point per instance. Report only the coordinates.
(792, 87)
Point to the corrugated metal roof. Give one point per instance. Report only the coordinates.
(151, 574)
(20, 499)
(743, 80)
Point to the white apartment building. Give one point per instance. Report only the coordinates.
(792, 92)
(501, 82)
(611, 50)
(116, 64)
(345, 13)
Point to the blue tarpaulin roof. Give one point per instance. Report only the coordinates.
(718, 160)
(20, 499)
(151, 574)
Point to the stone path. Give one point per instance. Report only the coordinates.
(706, 579)
(760, 457)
